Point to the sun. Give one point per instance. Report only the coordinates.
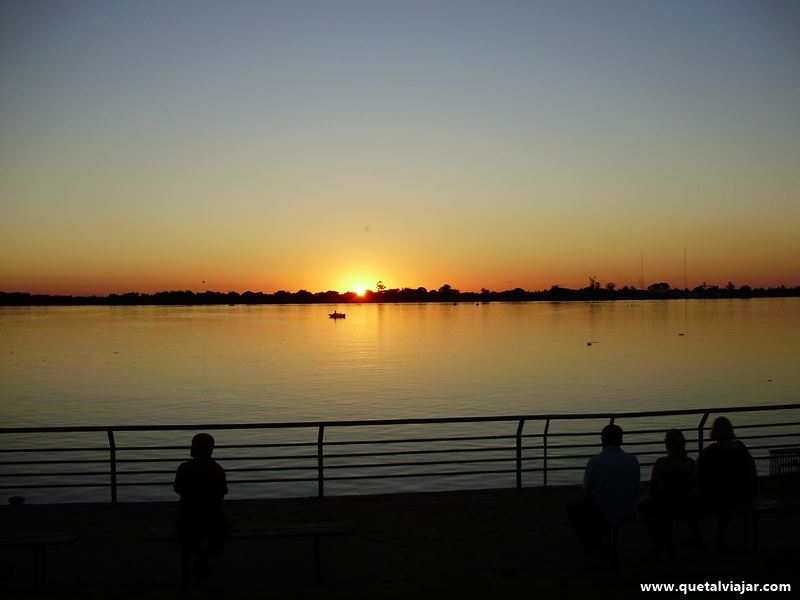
(357, 285)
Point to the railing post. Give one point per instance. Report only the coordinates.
(519, 453)
(320, 470)
(700, 427)
(544, 452)
(112, 446)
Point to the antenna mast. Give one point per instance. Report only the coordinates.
(685, 284)
(641, 274)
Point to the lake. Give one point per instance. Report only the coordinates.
(243, 364)
(145, 365)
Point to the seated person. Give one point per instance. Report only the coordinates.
(610, 490)
(673, 493)
(202, 484)
(726, 471)
(726, 474)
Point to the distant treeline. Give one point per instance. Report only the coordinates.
(446, 293)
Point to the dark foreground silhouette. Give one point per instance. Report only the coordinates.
(201, 484)
(725, 477)
(610, 490)
(672, 495)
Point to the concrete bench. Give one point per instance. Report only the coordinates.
(39, 541)
(309, 530)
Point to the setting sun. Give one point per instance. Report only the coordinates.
(357, 286)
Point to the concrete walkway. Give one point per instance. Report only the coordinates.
(495, 543)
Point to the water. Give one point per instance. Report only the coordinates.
(221, 364)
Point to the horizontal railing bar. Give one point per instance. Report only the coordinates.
(314, 444)
(77, 461)
(230, 482)
(218, 446)
(417, 440)
(395, 441)
(310, 479)
(570, 446)
(383, 422)
(142, 484)
(103, 484)
(406, 475)
(339, 478)
(768, 436)
(225, 458)
(415, 464)
(235, 470)
(570, 456)
(752, 425)
(73, 474)
(770, 447)
(348, 466)
(20, 450)
(435, 451)
(549, 468)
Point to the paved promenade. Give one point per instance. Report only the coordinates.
(497, 543)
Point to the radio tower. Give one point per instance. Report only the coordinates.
(685, 284)
(641, 273)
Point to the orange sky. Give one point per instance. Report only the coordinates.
(286, 147)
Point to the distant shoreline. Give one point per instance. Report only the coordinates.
(659, 291)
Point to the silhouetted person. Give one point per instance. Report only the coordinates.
(726, 474)
(202, 484)
(610, 490)
(673, 493)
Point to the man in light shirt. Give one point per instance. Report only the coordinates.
(610, 490)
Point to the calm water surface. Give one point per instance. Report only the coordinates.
(145, 365)
(151, 365)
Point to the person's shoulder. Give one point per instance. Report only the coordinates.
(631, 458)
(711, 450)
(594, 460)
(740, 450)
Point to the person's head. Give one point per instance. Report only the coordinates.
(675, 442)
(722, 430)
(611, 435)
(202, 445)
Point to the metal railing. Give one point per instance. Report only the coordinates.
(495, 446)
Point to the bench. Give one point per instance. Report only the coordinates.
(749, 513)
(313, 530)
(39, 541)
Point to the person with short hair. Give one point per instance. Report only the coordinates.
(610, 490)
(202, 484)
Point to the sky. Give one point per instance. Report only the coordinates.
(164, 144)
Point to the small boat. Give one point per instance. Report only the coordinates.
(337, 315)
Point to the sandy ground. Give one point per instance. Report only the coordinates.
(495, 543)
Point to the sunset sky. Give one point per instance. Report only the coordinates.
(151, 145)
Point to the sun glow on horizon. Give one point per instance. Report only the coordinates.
(357, 286)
